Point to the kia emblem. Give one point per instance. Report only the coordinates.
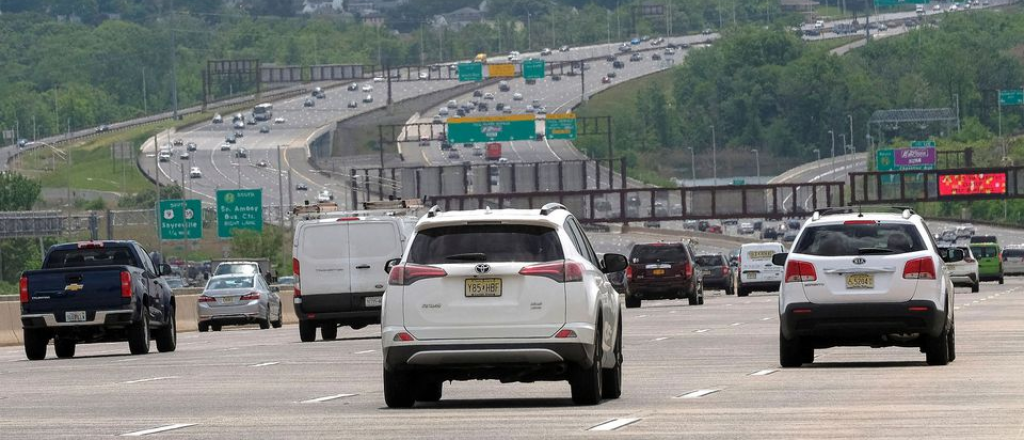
(483, 268)
(859, 260)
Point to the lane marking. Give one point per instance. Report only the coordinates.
(696, 394)
(660, 339)
(701, 330)
(327, 398)
(164, 428)
(265, 364)
(151, 379)
(127, 360)
(762, 373)
(641, 316)
(767, 319)
(613, 424)
(736, 324)
(956, 308)
(364, 352)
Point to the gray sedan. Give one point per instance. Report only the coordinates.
(238, 299)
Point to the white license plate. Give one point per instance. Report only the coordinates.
(373, 301)
(228, 300)
(74, 317)
(860, 281)
(483, 288)
(751, 275)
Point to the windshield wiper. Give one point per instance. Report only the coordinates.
(872, 251)
(471, 256)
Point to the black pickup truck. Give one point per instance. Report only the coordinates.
(96, 291)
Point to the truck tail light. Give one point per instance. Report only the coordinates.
(23, 289)
(560, 271)
(250, 296)
(919, 269)
(126, 285)
(410, 273)
(800, 272)
(295, 272)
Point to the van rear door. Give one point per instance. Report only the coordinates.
(371, 244)
(323, 255)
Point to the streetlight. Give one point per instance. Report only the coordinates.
(693, 167)
(843, 137)
(757, 161)
(833, 134)
(850, 116)
(714, 156)
(818, 152)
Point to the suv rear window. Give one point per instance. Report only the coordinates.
(106, 256)
(710, 260)
(984, 251)
(485, 243)
(1013, 253)
(861, 239)
(658, 253)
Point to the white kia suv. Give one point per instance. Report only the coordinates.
(866, 279)
(512, 295)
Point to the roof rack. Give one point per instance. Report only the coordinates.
(434, 211)
(905, 211)
(551, 207)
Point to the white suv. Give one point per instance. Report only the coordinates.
(866, 279)
(509, 295)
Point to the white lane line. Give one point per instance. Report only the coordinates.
(702, 330)
(763, 372)
(990, 297)
(672, 312)
(132, 359)
(364, 352)
(967, 305)
(696, 394)
(767, 319)
(735, 324)
(158, 429)
(660, 339)
(265, 364)
(984, 299)
(641, 316)
(956, 308)
(151, 379)
(327, 398)
(613, 424)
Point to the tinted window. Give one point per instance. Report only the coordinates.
(1015, 253)
(647, 254)
(984, 251)
(485, 243)
(106, 256)
(241, 269)
(878, 238)
(710, 260)
(230, 283)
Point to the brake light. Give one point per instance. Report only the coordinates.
(560, 271)
(860, 222)
(348, 219)
(126, 285)
(629, 272)
(800, 272)
(565, 334)
(725, 270)
(295, 272)
(23, 290)
(403, 337)
(688, 270)
(918, 309)
(250, 296)
(410, 273)
(205, 299)
(90, 244)
(919, 269)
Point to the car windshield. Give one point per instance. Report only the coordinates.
(658, 254)
(984, 251)
(860, 239)
(485, 243)
(710, 260)
(230, 283)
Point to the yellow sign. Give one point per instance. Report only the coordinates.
(560, 116)
(506, 70)
(491, 119)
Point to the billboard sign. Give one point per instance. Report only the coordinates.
(972, 184)
(915, 158)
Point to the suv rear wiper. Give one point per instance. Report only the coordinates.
(472, 256)
(872, 251)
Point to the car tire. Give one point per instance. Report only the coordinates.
(138, 336)
(36, 341)
(429, 391)
(167, 337)
(586, 381)
(936, 349)
(64, 348)
(204, 327)
(611, 388)
(976, 287)
(280, 318)
(1000, 279)
(806, 353)
(329, 331)
(951, 343)
(790, 353)
(307, 331)
(693, 298)
(398, 389)
(632, 302)
(264, 322)
(742, 292)
(215, 327)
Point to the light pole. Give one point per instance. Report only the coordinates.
(842, 136)
(693, 167)
(757, 162)
(956, 97)
(529, 34)
(850, 116)
(818, 152)
(833, 134)
(714, 156)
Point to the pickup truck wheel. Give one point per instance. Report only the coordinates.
(741, 292)
(167, 337)
(64, 348)
(138, 336)
(632, 302)
(307, 331)
(951, 342)
(586, 382)
(398, 389)
(35, 343)
(329, 331)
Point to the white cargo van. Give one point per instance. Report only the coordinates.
(338, 262)
(756, 271)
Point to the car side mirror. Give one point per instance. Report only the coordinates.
(391, 264)
(779, 259)
(952, 255)
(275, 289)
(614, 263)
(165, 269)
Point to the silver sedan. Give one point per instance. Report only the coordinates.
(238, 299)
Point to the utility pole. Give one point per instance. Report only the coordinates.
(818, 153)
(529, 33)
(156, 172)
(583, 84)
(174, 69)
(852, 149)
(693, 167)
(291, 189)
(280, 187)
(757, 162)
(833, 134)
(145, 103)
(956, 97)
(714, 156)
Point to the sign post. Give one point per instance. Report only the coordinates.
(239, 209)
(1011, 97)
(181, 219)
(492, 129)
(560, 126)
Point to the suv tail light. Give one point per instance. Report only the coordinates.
(250, 296)
(295, 272)
(126, 285)
(23, 289)
(629, 272)
(688, 270)
(919, 269)
(410, 273)
(560, 271)
(800, 272)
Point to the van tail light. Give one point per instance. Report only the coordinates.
(205, 299)
(919, 269)
(800, 272)
(250, 296)
(126, 285)
(407, 274)
(629, 272)
(295, 272)
(23, 289)
(560, 271)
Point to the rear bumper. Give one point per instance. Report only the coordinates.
(652, 288)
(861, 321)
(716, 282)
(963, 279)
(761, 286)
(466, 357)
(344, 308)
(102, 318)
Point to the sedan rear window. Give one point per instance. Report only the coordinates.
(710, 260)
(485, 243)
(860, 239)
(230, 283)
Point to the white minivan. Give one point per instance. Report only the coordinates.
(338, 262)
(756, 271)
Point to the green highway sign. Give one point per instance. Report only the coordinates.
(492, 129)
(533, 69)
(471, 71)
(738, 182)
(885, 160)
(918, 144)
(239, 209)
(180, 219)
(560, 126)
(1011, 97)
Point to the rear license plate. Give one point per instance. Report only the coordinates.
(860, 281)
(74, 317)
(483, 287)
(372, 301)
(228, 300)
(658, 271)
(751, 275)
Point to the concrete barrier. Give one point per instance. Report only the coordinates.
(10, 323)
(186, 314)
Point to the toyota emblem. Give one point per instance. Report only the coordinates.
(483, 268)
(859, 260)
